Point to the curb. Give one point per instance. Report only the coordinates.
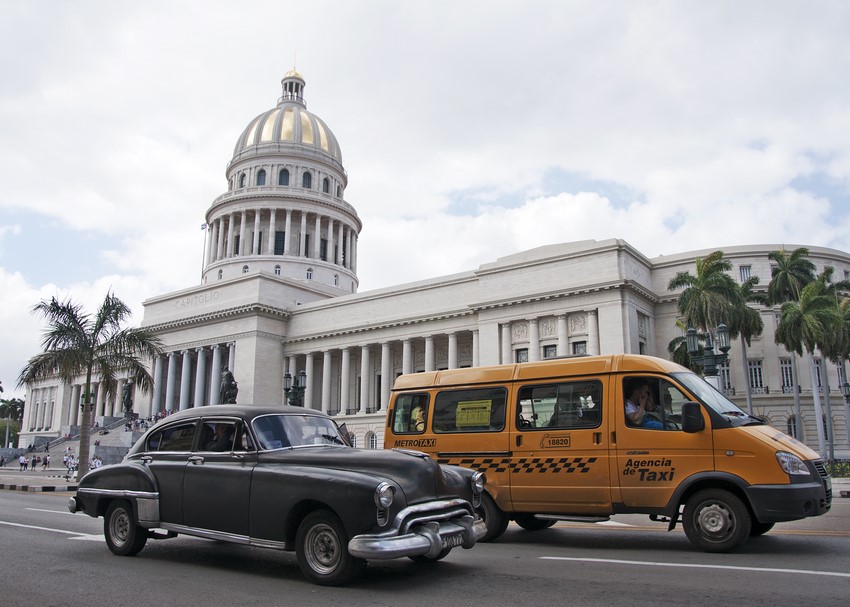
(38, 488)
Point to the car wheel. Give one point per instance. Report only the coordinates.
(716, 520)
(531, 523)
(321, 546)
(758, 528)
(123, 536)
(421, 558)
(496, 520)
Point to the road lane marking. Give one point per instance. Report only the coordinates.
(78, 536)
(697, 566)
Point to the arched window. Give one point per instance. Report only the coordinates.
(242, 180)
(244, 269)
(338, 192)
(261, 177)
(307, 181)
(792, 426)
(309, 273)
(336, 280)
(277, 270)
(220, 272)
(326, 185)
(283, 177)
(372, 440)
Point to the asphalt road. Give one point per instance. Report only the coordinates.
(52, 558)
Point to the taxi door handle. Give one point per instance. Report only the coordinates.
(519, 440)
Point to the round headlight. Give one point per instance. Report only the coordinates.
(478, 480)
(384, 495)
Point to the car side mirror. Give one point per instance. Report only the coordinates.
(692, 420)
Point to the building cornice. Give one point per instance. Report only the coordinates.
(254, 309)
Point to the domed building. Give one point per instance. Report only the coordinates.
(278, 304)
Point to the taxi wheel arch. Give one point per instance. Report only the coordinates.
(321, 547)
(716, 520)
(495, 519)
(123, 536)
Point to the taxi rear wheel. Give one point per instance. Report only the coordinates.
(529, 522)
(716, 520)
(495, 519)
(123, 536)
(321, 546)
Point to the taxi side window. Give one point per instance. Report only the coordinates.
(565, 405)
(474, 410)
(173, 438)
(659, 401)
(410, 414)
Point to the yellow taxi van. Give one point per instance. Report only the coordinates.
(556, 442)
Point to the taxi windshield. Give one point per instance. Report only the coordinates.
(288, 430)
(712, 397)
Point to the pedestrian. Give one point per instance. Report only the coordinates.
(22, 462)
(45, 462)
(33, 463)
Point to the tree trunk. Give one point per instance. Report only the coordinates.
(746, 362)
(798, 418)
(818, 410)
(830, 433)
(85, 430)
(846, 404)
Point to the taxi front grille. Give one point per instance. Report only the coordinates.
(824, 478)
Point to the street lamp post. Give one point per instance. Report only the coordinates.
(295, 391)
(709, 360)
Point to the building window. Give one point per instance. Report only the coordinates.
(220, 273)
(550, 351)
(819, 369)
(261, 177)
(339, 195)
(309, 273)
(323, 249)
(336, 280)
(259, 239)
(307, 181)
(306, 245)
(279, 240)
(579, 347)
(791, 426)
(277, 270)
(522, 355)
(236, 243)
(283, 177)
(242, 180)
(244, 269)
(326, 185)
(725, 379)
(373, 440)
(745, 272)
(756, 376)
(641, 347)
(787, 375)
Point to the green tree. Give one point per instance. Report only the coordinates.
(746, 323)
(789, 273)
(76, 343)
(11, 410)
(709, 296)
(807, 323)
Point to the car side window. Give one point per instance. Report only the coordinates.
(653, 403)
(565, 405)
(219, 435)
(410, 414)
(474, 410)
(173, 438)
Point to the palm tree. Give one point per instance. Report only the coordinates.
(10, 409)
(807, 323)
(709, 296)
(788, 275)
(678, 349)
(746, 322)
(76, 343)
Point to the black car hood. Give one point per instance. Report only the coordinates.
(418, 476)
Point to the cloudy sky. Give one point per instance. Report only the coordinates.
(469, 130)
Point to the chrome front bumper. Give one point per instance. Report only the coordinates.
(427, 539)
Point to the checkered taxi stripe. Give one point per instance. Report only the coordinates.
(565, 465)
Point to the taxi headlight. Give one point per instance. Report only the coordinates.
(384, 495)
(792, 464)
(478, 480)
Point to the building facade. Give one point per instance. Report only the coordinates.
(279, 295)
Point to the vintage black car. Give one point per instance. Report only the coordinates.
(282, 477)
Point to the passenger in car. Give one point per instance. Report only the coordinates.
(223, 439)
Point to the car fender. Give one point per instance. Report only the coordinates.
(131, 481)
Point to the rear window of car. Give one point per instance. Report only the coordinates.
(173, 438)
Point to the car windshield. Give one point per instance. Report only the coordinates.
(712, 397)
(292, 430)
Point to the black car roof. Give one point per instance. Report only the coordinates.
(245, 411)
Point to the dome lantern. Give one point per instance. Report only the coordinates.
(293, 88)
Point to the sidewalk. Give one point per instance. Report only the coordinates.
(52, 479)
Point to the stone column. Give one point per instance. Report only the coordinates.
(429, 353)
(156, 399)
(302, 245)
(386, 375)
(98, 409)
(231, 356)
(232, 219)
(208, 244)
(272, 232)
(452, 350)
(506, 344)
(331, 256)
(215, 376)
(308, 389)
(200, 377)
(592, 333)
(171, 381)
(185, 380)
(242, 223)
(533, 341)
(220, 237)
(563, 337)
(340, 241)
(326, 381)
(345, 380)
(317, 245)
(475, 346)
(364, 379)
(406, 356)
(287, 233)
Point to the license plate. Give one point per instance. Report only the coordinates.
(453, 541)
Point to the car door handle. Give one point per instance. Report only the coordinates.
(196, 459)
